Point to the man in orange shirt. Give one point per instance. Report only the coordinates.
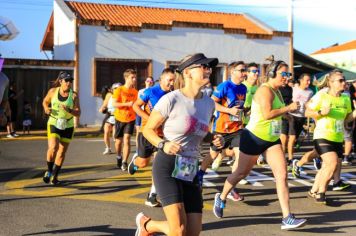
(124, 97)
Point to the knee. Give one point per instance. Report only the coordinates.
(52, 149)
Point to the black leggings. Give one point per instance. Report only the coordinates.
(323, 146)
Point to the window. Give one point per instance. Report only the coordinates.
(109, 71)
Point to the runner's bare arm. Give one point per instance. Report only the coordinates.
(137, 108)
(47, 101)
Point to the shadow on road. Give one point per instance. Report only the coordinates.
(99, 229)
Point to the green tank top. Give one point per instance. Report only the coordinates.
(268, 130)
(58, 113)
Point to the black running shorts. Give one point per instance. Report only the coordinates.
(231, 140)
(323, 146)
(250, 144)
(144, 148)
(171, 190)
(122, 128)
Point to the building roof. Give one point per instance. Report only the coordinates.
(136, 18)
(337, 48)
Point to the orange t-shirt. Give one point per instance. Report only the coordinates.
(122, 95)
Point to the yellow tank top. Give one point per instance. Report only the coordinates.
(268, 130)
(58, 113)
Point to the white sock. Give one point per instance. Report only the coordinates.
(153, 190)
(119, 157)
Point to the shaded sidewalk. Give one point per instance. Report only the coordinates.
(83, 132)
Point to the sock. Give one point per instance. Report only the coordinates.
(50, 166)
(56, 170)
(153, 190)
(119, 157)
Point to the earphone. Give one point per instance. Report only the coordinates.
(273, 69)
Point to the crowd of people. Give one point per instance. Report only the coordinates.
(250, 118)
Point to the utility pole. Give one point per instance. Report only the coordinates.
(290, 29)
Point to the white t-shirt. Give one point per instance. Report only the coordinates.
(302, 96)
(187, 120)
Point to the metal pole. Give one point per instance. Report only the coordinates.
(290, 29)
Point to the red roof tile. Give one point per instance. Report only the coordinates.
(135, 16)
(338, 48)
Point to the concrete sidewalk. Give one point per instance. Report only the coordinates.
(84, 132)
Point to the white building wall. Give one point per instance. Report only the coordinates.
(342, 59)
(64, 32)
(162, 46)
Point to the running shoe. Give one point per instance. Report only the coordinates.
(295, 169)
(132, 167)
(235, 196)
(119, 163)
(216, 164)
(141, 221)
(290, 222)
(152, 201)
(219, 206)
(261, 160)
(339, 186)
(346, 161)
(54, 180)
(200, 176)
(10, 136)
(107, 151)
(243, 182)
(15, 134)
(317, 163)
(47, 177)
(230, 162)
(124, 166)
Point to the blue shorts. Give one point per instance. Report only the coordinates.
(138, 120)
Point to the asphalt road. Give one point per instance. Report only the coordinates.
(98, 199)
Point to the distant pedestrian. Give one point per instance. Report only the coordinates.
(13, 96)
(27, 122)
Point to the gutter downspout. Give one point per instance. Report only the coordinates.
(76, 63)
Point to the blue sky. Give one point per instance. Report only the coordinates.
(317, 23)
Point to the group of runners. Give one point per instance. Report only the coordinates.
(243, 119)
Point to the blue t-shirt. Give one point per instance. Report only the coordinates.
(150, 97)
(230, 95)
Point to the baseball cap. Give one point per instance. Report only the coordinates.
(65, 75)
(198, 58)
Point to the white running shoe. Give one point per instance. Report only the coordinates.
(216, 164)
(107, 151)
(243, 182)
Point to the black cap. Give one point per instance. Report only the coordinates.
(198, 58)
(65, 75)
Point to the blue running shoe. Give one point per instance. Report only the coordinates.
(290, 222)
(219, 206)
(317, 163)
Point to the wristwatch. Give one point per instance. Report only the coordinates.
(160, 145)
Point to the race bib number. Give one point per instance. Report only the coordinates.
(61, 124)
(339, 126)
(276, 127)
(185, 168)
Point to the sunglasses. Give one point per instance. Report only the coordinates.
(70, 80)
(254, 71)
(241, 70)
(341, 80)
(204, 66)
(286, 74)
